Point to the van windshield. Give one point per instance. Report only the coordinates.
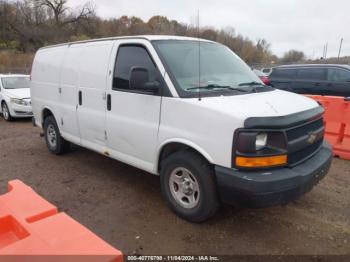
(15, 82)
(220, 69)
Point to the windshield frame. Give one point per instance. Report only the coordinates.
(203, 93)
(8, 77)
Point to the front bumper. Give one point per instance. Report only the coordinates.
(18, 111)
(273, 187)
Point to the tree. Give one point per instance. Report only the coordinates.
(293, 56)
(57, 7)
(63, 15)
(26, 25)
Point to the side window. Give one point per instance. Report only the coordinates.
(338, 75)
(131, 56)
(283, 73)
(312, 74)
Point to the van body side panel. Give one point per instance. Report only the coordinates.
(46, 81)
(69, 126)
(93, 71)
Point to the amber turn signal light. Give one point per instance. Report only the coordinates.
(251, 162)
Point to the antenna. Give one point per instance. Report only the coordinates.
(199, 59)
(340, 47)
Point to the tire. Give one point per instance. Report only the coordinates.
(6, 112)
(54, 141)
(189, 187)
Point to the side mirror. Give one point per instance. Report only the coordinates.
(139, 76)
(347, 99)
(139, 80)
(152, 87)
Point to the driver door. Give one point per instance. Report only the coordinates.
(133, 115)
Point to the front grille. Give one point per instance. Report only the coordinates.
(299, 146)
(305, 153)
(28, 101)
(295, 133)
(23, 113)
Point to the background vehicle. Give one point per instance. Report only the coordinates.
(267, 71)
(331, 80)
(15, 96)
(220, 135)
(263, 77)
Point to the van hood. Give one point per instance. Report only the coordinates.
(266, 104)
(20, 93)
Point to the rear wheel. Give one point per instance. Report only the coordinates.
(189, 187)
(6, 112)
(54, 141)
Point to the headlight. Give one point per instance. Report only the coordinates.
(259, 149)
(261, 141)
(18, 101)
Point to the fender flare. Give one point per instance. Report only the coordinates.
(185, 142)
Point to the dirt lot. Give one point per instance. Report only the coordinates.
(123, 205)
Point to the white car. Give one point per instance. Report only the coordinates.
(15, 96)
(213, 135)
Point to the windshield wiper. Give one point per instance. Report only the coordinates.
(213, 86)
(254, 83)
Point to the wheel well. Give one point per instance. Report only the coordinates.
(171, 148)
(46, 113)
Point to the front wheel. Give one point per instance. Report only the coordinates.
(189, 187)
(54, 141)
(6, 112)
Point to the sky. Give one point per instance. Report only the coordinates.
(305, 25)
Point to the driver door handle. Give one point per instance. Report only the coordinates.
(80, 98)
(109, 102)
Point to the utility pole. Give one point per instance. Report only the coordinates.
(325, 51)
(341, 44)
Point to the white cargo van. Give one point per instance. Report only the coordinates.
(214, 133)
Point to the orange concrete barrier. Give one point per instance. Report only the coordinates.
(337, 123)
(31, 226)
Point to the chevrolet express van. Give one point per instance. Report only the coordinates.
(187, 109)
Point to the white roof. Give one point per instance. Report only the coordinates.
(171, 37)
(13, 75)
(147, 37)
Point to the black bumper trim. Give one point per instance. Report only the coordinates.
(272, 187)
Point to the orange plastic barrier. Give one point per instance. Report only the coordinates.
(337, 122)
(29, 225)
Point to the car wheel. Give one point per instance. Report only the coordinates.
(6, 112)
(189, 187)
(54, 141)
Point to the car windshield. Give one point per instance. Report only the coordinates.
(220, 68)
(15, 82)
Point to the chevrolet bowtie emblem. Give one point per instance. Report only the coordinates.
(312, 138)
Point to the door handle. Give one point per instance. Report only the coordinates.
(317, 84)
(80, 97)
(109, 102)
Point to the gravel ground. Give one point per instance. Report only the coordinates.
(123, 205)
